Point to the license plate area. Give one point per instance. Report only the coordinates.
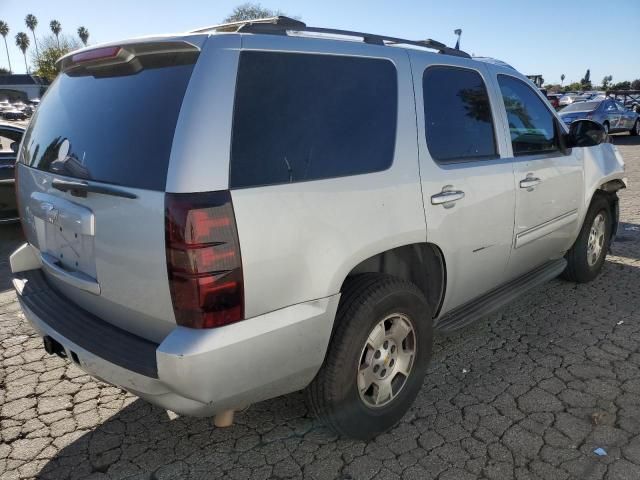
(73, 251)
(66, 233)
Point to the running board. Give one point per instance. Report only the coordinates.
(490, 302)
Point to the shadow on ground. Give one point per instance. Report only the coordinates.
(524, 384)
(625, 139)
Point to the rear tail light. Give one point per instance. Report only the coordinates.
(203, 259)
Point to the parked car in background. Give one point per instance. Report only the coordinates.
(14, 114)
(10, 136)
(609, 113)
(554, 99)
(567, 99)
(342, 202)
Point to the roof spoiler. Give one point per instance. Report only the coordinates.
(94, 60)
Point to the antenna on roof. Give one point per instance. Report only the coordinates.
(458, 32)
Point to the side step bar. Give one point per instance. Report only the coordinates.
(490, 302)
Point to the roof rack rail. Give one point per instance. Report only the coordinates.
(280, 25)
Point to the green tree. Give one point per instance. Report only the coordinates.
(56, 28)
(4, 71)
(572, 87)
(52, 48)
(562, 77)
(83, 33)
(32, 22)
(606, 81)
(621, 86)
(250, 11)
(4, 31)
(585, 82)
(23, 42)
(635, 85)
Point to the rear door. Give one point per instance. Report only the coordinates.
(548, 179)
(613, 115)
(627, 117)
(467, 186)
(92, 177)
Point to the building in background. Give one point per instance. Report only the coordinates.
(22, 87)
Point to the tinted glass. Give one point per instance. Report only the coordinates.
(611, 107)
(581, 107)
(303, 117)
(115, 129)
(457, 114)
(531, 124)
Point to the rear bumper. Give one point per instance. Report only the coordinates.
(192, 372)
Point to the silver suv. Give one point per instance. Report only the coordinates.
(243, 211)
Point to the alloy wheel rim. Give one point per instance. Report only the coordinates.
(595, 243)
(386, 360)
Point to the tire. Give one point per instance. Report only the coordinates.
(335, 395)
(635, 130)
(583, 264)
(606, 127)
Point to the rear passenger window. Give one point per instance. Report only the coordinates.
(302, 117)
(531, 124)
(457, 113)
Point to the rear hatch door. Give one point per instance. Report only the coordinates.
(92, 175)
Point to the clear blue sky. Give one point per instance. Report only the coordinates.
(547, 37)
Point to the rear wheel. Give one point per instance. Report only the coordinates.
(635, 130)
(586, 257)
(377, 359)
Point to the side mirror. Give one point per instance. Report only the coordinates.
(586, 133)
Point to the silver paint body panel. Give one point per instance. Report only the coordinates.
(299, 241)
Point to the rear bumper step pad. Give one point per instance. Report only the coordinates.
(84, 329)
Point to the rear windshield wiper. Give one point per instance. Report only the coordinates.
(80, 189)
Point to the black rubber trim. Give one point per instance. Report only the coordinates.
(488, 303)
(102, 339)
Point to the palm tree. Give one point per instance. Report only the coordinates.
(83, 33)
(56, 28)
(22, 42)
(32, 22)
(562, 77)
(4, 31)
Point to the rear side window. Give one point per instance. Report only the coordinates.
(115, 128)
(301, 117)
(531, 124)
(457, 114)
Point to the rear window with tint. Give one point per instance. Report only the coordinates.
(115, 129)
(301, 117)
(581, 107)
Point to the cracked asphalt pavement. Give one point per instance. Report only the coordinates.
(528, 393)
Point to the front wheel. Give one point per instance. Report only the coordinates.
(605, 125)
(586, 257)
(635, 130)
(377, 359)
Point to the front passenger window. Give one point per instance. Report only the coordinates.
(531, 124)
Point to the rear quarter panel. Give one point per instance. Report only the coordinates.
(299, 241)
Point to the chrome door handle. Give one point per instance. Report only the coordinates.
(446, 197)
(529, 182)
